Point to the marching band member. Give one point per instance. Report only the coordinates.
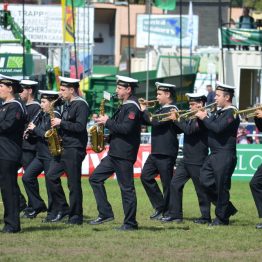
(74, 141)
(42, 160)
(12, 121)
(29, 146)
(195, 150)
(124, 127)
(256, 181)
(217, 170)
(164, 150)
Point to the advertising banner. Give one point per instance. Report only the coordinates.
(231, 36)
(165, 30)
(43, 23)
(249, 158)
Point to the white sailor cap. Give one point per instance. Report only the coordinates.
(48, 94)
(165, 87)
(14, 82)
(69, 82)
(126, 81)
(25, 83)
(195, 97)
(224, 87)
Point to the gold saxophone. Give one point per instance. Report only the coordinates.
(96, 133)
(53, 139)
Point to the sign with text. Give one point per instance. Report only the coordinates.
(231, 36)
(43, 23)
(165, 30)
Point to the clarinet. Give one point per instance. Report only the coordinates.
(34, 121)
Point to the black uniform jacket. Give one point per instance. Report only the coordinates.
(258, 122)
(73, 124)
(12, 122)
(164, 134)
(44, 124)
(222, 129)
(125, 128)
(32, 110)
(195, 147)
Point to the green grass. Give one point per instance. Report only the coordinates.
(153, 242)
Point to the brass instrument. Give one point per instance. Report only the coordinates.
(147, 103)
(53, 139)
(164, 117)
(97, 133)
(190, 115)
(248, 112)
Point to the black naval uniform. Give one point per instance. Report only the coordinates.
(216, 172)
(74, 137)
(164, 150)
(124, 127)
(12, 121)
(28, 147)
(256, 181)
(195, 150)
(40, 163)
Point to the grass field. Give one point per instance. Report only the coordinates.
(153, 242)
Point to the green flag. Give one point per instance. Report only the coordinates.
(75, 3)
(166, 4)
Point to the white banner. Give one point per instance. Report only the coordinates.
(165, 30)
(43, 23)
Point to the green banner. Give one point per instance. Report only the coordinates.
(241, 37)
(249, 157)
(12, 64)
(166, 4)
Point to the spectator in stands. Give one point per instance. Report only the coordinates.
(210, 95)
(242, 136)
(245, 20)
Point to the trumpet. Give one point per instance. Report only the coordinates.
(249, 112)
(147, 103)
(164, 117)
(190, 115)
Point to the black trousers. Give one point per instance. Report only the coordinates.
(27, 157)
(10, 194)
(215, 177)
(256, 189)
(71, 163)
(125, 178)
(183, 173)
(31, 184)
(164, 165)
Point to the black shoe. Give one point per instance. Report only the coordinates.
(49, 217)
(233, 211)
(171, 219)
(259, 226)
(202, 220)
(75, 220)
(24, 212)
(126, 227)
(101, 220)
(34, 213)
(218, 222)
(60, 215)
(8, 229)
(156, 215)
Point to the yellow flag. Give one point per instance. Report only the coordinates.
(67, 22)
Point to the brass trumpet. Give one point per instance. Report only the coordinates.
(147, 103)
(190, 115)
(165, 116)
(248, 112)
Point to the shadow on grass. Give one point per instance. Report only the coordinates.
(43, 228)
